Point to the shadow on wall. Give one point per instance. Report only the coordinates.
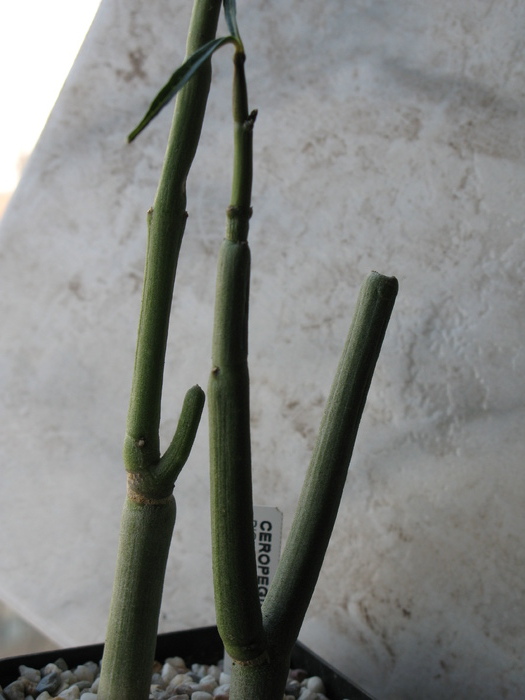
(17, 637)
(483, 119)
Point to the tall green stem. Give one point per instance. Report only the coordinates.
(288, 598)
(149, 510)
(237, 605)
(166, 224)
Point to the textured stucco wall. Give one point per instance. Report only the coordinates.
(389, 137)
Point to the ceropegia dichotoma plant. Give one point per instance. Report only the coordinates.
(259, 640)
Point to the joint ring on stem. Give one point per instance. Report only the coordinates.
(264, 658)
(238, 212)
(134, 494)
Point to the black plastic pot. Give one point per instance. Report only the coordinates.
(201, 645)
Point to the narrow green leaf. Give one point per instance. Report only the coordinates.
(230, 14)
(181, 76)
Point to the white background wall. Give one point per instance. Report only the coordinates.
(389, 137)
(38, 44)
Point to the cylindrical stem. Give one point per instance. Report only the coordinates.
(236, 597)
(266, 681)
(235, 579)
(166, 223)
(243, 123)
(291, 590)
(145, 536)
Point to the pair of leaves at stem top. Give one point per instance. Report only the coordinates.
(188, 69)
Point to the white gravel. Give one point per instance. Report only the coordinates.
(170, 680)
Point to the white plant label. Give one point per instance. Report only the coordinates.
(267, 531)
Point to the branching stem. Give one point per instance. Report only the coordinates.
(260, 646)
(149, 510)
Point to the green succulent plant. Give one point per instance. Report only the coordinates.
(259, 640)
